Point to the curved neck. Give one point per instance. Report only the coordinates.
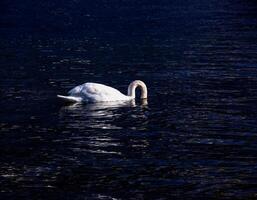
(132, 89)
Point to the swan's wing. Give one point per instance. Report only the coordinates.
(76, 90)
(96, 92)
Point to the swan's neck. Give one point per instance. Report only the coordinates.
(132, 89)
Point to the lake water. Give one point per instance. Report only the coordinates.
(195, 139)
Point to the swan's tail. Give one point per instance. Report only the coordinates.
(70, 98)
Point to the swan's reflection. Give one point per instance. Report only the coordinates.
(95, 115)
(101, 105)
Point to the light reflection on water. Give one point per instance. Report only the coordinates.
(96, 115)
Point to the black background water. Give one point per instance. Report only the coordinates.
(197, 137)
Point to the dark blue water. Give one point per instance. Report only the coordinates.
(196, 138)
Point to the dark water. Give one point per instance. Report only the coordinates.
(196, 138)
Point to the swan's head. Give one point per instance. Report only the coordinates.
(132, 89)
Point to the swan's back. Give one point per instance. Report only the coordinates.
(95, 92)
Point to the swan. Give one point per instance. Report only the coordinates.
(95, 92)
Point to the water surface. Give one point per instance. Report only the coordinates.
(196, 138)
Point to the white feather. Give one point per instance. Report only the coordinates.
(95, 92)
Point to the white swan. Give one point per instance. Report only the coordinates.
(95, 92)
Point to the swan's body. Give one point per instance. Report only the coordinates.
(95, 92)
